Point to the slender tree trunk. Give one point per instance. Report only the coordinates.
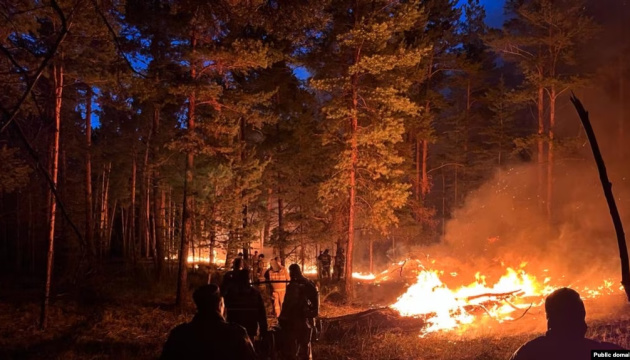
(425, 154)
(371, 255)
(550, 159)
(110, 226)
(160, 226)
(132, 212)
(281, 239)
(540, 141)
(419, 189)
(213, 241)
(89, 216)
(31, 234)
(267, 228)
(58, 82)
(146, 198)
(125, 230)
(18, 235)
(186, 230)
(159, 201)
(106, 202)
(354, 155)
(170, 227)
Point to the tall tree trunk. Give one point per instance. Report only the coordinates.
(132, 212)
(540, 142)
(110, 226)
(281, 237)
(18, 235)
(160, 229)
(371, 255)
(31, 235)
(550, 159)
(105, 233)
(418, 183)
(159, 201)
(425, 154)
(146, 198)
(125, 230)
(186, 230)
(89, 215)
(267, 227)
(354, 155)
(213, 242)
(57, 72)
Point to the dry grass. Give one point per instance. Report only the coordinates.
(129, 318)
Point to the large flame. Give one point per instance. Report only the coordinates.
(513, 294)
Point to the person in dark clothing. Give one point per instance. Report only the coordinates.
(340, 262)
(319, 265)
(566, 327)
(229, 279)
(297, 319)
(325, 259)
(245, 306)
(208, 336)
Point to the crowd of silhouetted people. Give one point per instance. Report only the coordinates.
(231, 320)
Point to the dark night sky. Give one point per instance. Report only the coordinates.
(494, 12)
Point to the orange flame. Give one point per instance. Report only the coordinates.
(445, 309)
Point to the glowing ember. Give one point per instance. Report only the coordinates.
(512, 294)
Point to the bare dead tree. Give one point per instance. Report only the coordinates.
(607, 185)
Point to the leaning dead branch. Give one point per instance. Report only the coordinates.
(610, 199)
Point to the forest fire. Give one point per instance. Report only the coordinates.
(507, 299)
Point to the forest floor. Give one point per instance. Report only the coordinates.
(129, 317)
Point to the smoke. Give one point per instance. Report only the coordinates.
(504, 224)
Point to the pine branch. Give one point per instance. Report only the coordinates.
(115, 38)
(65, 27)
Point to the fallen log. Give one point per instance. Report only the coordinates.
(372, 321)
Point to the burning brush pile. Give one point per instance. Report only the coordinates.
(446, 308)
(436, 301)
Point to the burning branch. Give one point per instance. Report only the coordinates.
(607, 185)
(493, 295)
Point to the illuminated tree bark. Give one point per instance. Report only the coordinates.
(57, 72)
(186, 230)
(89, 209)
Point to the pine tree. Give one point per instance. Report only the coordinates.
(364, 87)
(542, 38)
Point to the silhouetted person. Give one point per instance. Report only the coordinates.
(208, 336)
(254, 263)
(278, 276)
(325, 259)
(297, 319)
(340, 262)
(244, 306)
(319, 265)
(229, 279)
(261, 268)
(566, 327)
